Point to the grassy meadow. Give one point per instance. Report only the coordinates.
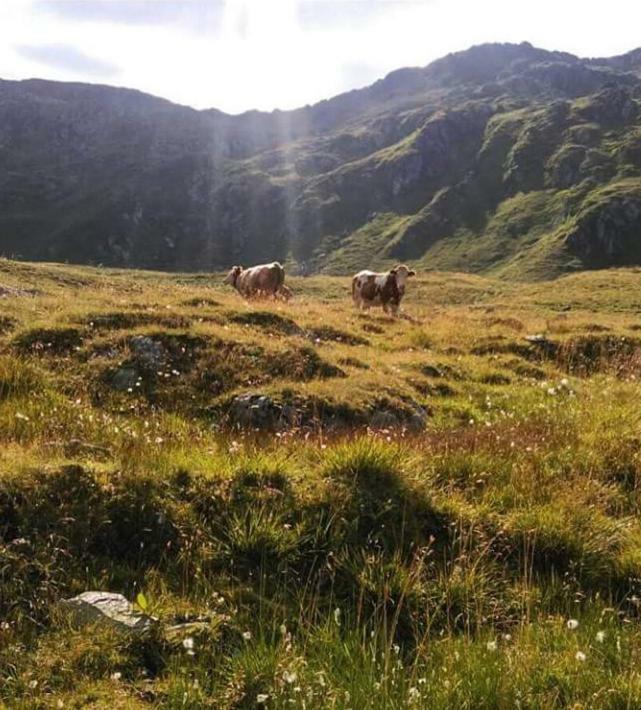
(442, 513)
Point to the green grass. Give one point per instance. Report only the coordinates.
(344, 557)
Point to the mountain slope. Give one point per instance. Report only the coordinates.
(503, 158)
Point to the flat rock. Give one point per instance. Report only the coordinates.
(106, 607)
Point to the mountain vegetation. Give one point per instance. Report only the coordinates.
(502, 159)
(320, 507)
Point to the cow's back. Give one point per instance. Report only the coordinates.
(367, 284)
(263, 277)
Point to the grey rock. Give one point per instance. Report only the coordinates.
(124, 378)
(259, 411)
(384, 419)
(412, 416)
(109, 608)
(148, 351)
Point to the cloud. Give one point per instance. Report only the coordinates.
(196, 15)
(327, 14)
(69, 59)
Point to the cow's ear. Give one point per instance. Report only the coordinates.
(412, 273)
(393, 271)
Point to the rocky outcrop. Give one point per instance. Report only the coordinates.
(262, 412)
(608, 233)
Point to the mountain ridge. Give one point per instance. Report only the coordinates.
(427, 164)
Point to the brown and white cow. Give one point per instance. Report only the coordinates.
(261, 280)
(381, 289)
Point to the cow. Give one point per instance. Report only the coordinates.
(381, 289)
(261, 280)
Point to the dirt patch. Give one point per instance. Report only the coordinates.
(49, 341)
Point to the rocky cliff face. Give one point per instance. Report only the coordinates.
(503, 158)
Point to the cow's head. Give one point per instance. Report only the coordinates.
(402, 273)
(233, 275)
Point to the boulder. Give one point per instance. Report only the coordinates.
(148, 352)
(109, 608)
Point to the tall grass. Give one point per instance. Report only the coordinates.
(327, 563)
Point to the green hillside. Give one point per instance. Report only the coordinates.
(503, 159)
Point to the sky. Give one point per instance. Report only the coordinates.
(237, 55)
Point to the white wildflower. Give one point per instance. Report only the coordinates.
(247, 635)
(188, 645)
(116, 676)
(262, 698)
(572, 624)
(290, 677)
(580, 656)
(414, 694)
(600, 636)
(283, 630)
(337, 616)
(491, 645)
(33, 684)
